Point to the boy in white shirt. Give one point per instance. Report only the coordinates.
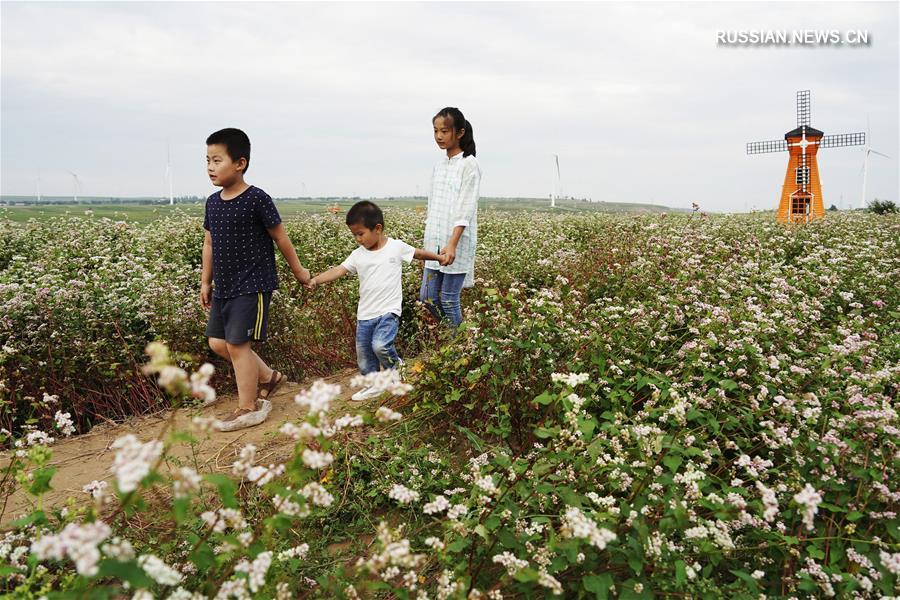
(378, 264)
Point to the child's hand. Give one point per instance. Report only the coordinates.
(443, 259)
(205, 296)
(311, 284)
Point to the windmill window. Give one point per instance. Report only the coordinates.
(800, 205)
(802, 175)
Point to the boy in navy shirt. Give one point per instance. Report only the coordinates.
(241, 224)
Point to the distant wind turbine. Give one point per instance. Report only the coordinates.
(865, 168)
(554, 194)
(77, 183)
(38, 186)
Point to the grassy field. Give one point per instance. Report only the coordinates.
(294, 208)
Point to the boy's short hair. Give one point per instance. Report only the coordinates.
(236, 143)
(367, 213)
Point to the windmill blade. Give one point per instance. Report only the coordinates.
(878, 153)
(803, 108)
(843, 139)
(766, 147)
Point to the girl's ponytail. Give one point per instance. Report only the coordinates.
(467, 141)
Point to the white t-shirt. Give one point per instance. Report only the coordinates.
(380, 278)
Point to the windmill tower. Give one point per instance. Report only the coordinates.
(77, 186)
(865, 169)
(554, 193)
(801, 194)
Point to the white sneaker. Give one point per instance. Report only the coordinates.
(366, 393)
(263, 408)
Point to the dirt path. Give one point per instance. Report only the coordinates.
(87, 457)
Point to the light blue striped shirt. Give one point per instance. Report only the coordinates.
(453, 201)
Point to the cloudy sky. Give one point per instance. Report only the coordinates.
(637, 99)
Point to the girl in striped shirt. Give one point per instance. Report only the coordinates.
(451, 224)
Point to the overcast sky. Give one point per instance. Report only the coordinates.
(637, 99)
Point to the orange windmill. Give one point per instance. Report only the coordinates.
(801, 194)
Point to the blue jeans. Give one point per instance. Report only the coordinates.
(375, 343)
(440, 293)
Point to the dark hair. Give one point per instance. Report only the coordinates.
(236, 143)
(467, 141)
(367, 213)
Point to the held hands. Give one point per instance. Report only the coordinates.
(449, 254)
(311, 284)
(443, 260)
(303, 277)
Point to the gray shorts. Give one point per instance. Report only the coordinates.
(240, 319)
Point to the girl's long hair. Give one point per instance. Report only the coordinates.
(467, 141)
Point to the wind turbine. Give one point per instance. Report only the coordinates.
(77, 186)
(554, 194)
(169, 173)
(865, 168)
(38, 186)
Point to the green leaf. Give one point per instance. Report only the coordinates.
(37, 517)
(598, 584)
(125, 571)
(226, 487)
(673, 461)
(482, 531)
(746, 578)
(546, 432)
(728, 384)
(680, 572)
(41, 482)
(815, 552)
(204, 557)
(545, 398)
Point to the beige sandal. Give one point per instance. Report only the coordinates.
(244, 417)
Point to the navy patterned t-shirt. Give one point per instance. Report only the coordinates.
(243, 253)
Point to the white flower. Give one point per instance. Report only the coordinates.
(78, 542)
(509, 560)
(317, 494)
(486, 483)
(388, 380)
(402, 494)
(769, 501)
(244, 463)
(158, 570)
(316, 460)
(295, 552)
(303, 432)
(571, 379)
(185, 481)
(99, 491)
(133, 460)
(439, 504)
(317, 399)
(809, 499)
(384, 414)
(263, 475)
(576, 524)
(256, 570)
(891, 561)
(64, 423)
(38, 438)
